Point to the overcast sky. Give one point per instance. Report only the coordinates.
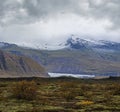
(34, 22)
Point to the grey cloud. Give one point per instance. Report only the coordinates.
(106, 9)
(44, 9)
(13, 11)
(30, 11)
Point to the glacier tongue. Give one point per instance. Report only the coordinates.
(70, 75)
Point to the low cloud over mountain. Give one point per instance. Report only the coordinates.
(41, 21)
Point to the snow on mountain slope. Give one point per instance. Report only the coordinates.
(77, 42)
(2, 44)
(74, 42)
(78, 39)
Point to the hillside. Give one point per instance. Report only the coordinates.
(19, 66)
(78, 57)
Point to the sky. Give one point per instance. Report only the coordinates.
(37, 22)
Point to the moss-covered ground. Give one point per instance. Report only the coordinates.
(63, 95)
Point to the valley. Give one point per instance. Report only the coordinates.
(78, 57)
(59, 55)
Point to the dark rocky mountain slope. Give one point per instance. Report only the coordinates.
(19, 66)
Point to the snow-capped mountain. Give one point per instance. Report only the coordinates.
(4, 45)
(109, 45)
(75, 55)
(76, 42)
(87, 42)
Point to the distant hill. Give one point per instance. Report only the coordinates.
(79, 56)
(19, 66)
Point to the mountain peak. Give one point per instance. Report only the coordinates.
(77, 42)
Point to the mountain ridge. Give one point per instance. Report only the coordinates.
(72, 42)
(99, 59)
(78, 43)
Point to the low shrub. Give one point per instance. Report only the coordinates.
(116, 90)
(85, 87)
(68, 85)
(68, 95)
(26, 90)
